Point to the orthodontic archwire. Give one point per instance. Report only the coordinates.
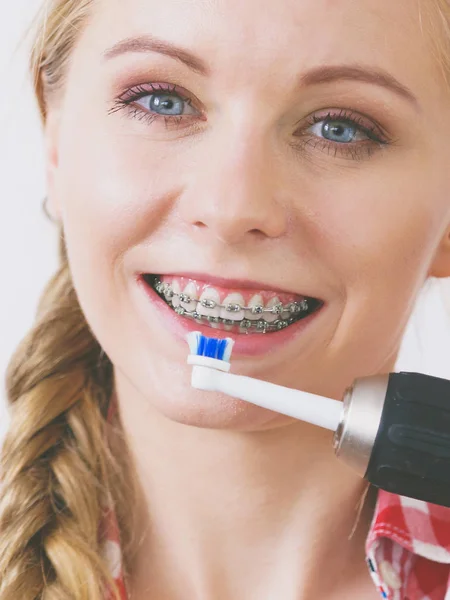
(294, 308)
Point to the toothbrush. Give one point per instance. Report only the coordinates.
(211, 363)
(392, 429)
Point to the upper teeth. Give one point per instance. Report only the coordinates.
(233, 305)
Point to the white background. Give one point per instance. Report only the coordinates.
(28, 242)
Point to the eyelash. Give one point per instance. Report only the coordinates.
(377, 138)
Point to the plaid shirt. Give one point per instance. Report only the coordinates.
(408, 549)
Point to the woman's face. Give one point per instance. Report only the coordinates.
(273, 150)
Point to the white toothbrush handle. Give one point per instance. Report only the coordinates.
(314, 409)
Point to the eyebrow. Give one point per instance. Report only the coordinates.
(146, 43)
(318, 75)
(329, 74)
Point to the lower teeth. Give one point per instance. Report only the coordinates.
(245, 326)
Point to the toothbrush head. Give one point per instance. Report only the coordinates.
(209, 352)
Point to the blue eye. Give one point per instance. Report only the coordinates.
(166, 104)
(339, 131)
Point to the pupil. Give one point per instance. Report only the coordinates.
(337, 131)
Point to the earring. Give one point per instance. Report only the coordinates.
(45, 210)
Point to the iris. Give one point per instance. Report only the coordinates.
(338, 131)
(166, 104)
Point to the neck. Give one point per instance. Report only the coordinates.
(263, 514)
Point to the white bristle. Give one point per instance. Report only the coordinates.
(228, 349)
(193, 339)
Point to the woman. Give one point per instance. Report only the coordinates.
(250, 153)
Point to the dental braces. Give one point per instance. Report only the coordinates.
(294, 308)
(246, 324)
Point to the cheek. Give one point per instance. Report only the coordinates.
(113, 191)
(380, 226)
(378, 238)
(112, 198)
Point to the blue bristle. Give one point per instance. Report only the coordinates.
(201, 345)
(210, 347)
(221, 349)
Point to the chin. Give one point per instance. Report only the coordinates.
(209, 410)
(195, 408)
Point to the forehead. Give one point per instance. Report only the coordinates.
(255, 36)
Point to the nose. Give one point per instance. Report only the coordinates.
(231, 193)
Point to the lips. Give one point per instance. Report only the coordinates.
(156, 313)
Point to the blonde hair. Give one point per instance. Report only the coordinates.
(56, 466)
(57, 471)
(435, 19)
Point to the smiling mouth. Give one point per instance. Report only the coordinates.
(233, 311)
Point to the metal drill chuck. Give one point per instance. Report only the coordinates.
(395, 432)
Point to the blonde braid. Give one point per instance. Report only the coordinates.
(57, 469)
(53, 462)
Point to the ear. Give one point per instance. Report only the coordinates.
(51, 134)
(440, 266)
